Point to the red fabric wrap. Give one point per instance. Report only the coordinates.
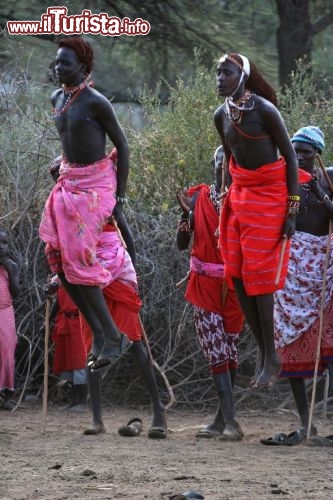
(253, 214)
(124, 305)
(69, 353)
(205, 291)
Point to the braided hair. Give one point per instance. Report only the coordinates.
(255, 82)
(82, 49)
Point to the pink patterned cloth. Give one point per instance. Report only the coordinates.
(297, 306)
(74, 216)
(210, 269)
(113, 256)
(8, 338)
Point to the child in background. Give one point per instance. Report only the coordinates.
(9, 288)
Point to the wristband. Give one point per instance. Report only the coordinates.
(121, 199)
(294, 197)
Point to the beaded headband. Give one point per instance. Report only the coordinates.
(246, 63)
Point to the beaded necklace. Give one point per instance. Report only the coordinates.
(307, 190)
(236, 108)
(72, 94)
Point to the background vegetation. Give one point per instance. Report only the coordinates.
(171, 146)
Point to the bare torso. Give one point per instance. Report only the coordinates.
(313, 217)
(253, 141)
(80, 127)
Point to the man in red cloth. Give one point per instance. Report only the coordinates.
(218, 316)
(261, 204)
(70, 357)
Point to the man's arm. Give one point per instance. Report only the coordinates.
(108, 118)
(276, 126)
(13, 276)
(186, 223)
(218, 121)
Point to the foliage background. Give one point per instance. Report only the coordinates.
(171, 147)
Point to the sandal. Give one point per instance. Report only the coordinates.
(105, 359)
(157, 432)
(132, 429)
(278, 439)
(8, 405)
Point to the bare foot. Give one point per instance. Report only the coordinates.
(210, 431)
(94, 429)
(269, 375)
(232, 432)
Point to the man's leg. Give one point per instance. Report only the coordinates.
(91, 302)
(299, 392)
(272, 364)
(94, 380)
(223, 384)
(330, 379)
(146, 371)
(249, 308)
(218, 424)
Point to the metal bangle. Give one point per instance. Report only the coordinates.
(325, 198)
(121, 199)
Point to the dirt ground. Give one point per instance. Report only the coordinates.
(62, 463)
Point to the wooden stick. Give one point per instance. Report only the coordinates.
(182, 281)
(321, 325)
(46, 362)
(172, 398)
(322, 166)
(224, 293)
(279, 269)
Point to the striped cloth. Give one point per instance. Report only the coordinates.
(253, 214)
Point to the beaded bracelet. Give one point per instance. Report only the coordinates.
(293, 210)
(294, 197)
(293, 206)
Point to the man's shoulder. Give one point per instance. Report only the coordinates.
(219, 111)
(95, 95)
(55, 95)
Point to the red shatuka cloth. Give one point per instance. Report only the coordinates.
(252, 219)
(69, 353)
(205, 291)
(124, 305)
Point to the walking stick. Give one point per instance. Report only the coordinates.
(322, 166)
(329, 182)
(279, 269)
(321, 325)
(46, 361)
